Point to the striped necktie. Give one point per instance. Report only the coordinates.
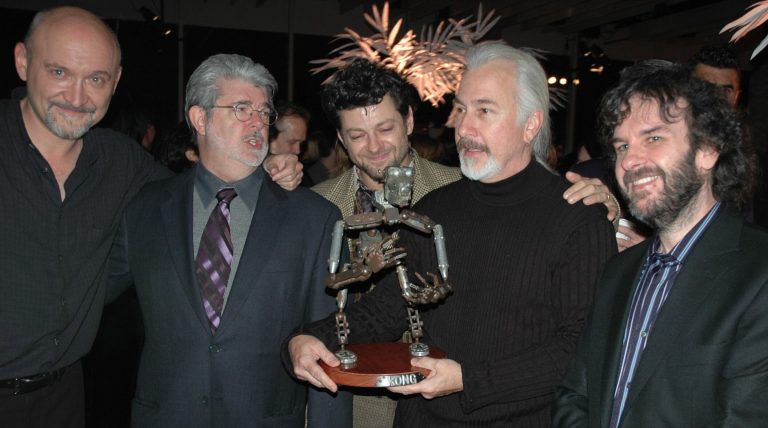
(214, 258)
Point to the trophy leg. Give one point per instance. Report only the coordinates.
(416, 348)
(345, 356)
(419, 349)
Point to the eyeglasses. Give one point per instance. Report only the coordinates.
(244, 113)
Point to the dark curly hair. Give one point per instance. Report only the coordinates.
(711, 121)
(715, 56)
(363, 83)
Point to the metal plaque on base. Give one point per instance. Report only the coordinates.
(380, 365)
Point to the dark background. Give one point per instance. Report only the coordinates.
(150, 82)
(150, 79)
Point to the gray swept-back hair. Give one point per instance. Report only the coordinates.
(532, 88)
(203, 92)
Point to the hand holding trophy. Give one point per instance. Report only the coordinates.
(385, 364)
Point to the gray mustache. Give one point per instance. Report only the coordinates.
(467, 144)
(255, 136)
(69, 106)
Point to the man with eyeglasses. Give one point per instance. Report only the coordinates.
(63, 188)
(225, 264)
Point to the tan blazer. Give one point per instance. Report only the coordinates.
(428, 177)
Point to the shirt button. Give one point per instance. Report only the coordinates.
(61, 258)
(204, 400)
(643, 334)
(56, 341)
(214, 348)
(63, 302)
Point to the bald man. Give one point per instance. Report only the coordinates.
(63, 187)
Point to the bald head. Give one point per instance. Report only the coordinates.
(70, 60)
(64, 18)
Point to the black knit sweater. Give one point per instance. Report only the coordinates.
(523, 263)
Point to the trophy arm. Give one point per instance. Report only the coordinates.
(426, 291)
(442, 256)
(353, 272)
(337, 237)
(376, 257)
(416, 221)
(363, 221)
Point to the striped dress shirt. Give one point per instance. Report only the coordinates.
(656, 280)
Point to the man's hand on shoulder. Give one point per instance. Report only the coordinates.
(591, 191)
(285, 170)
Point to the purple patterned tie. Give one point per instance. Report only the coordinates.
(214, 258)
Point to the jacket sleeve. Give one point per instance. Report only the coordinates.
(323, 408)
(119, 276)
(744, 381)
(571, 407)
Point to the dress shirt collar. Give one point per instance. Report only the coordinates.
(247, 189)
(681, 250)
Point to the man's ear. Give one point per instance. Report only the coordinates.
(21, 59)
(191, 155)
(532, 126)
(198, 117)
(409, 121)
(341, 140)
(117, 78)
(706, 157)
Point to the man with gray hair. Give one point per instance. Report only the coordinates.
(225, 263)
(63, 189)
(523, 264)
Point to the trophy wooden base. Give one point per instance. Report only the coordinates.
(380, 365)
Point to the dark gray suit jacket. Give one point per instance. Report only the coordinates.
(706, 361)
(190, 378)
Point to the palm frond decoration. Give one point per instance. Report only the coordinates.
(755, 16)
(432, 63)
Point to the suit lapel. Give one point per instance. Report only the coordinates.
(688, 294)
(266, 225)
(624, 287)
(422, 183)
(176, 213)
(345, 193)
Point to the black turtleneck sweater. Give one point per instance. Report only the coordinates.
(523, 264)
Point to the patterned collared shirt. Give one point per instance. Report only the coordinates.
(656, 280)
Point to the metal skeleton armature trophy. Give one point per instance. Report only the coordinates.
(373, 251)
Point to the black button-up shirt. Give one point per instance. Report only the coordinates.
(53, 253)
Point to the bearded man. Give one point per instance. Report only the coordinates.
(523, 265)
(678, 335)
